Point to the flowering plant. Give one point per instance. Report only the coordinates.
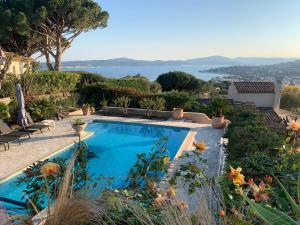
(192, 172)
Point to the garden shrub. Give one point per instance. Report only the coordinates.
(51, 82)
(95, 93)
(181, 81)
(176, 99)
(87, 78)
(195, 106)
(4, 111)
(155, 87)
(65, 103)
(156, 104)
(13, 111)
(40, 82)
(290, 99)
(261, 153)
(41, 109)
(8, 86)
(140, 84)
(248, 134)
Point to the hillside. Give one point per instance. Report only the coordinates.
(212, 60)
(281, 70)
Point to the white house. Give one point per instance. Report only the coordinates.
(18, 63)
(262, 94)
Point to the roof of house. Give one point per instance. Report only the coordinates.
(255, 87)
(15, 57)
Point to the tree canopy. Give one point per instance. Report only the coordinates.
(181, 81)
(48, 26)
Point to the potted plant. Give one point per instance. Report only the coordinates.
(218, 106)
(146, 103)
(78, 125)
(86, 109)
(92, 109)
(122, 102)
(177, 113)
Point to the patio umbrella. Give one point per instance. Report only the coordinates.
(22, 119)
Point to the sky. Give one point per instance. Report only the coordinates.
(184, 29)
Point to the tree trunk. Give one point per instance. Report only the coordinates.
(48, 61)
(58, 53)
(5, 68)
(47, 54)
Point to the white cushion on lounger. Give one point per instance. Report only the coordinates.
(48, 122)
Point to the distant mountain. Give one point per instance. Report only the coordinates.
(212, 60)
(282, 70)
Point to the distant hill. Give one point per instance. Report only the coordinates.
(281, 70)
(212, 60)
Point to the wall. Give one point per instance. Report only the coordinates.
(16, 67)
(277, 97)
(195, 117)
(260, 100)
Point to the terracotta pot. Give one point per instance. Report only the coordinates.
(177, 113)
(86, 111)
(93, 110)
(218, 122)
(79, 129)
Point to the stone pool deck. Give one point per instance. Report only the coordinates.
(43, 145)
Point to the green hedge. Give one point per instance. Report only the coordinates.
(176, 99)
(95, 93)
(138, 83)
(50, 82)
(87, 78)
(40, 82)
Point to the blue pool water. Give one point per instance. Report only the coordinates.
(116, 145)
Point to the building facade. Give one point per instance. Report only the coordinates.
(262, 94)
(19, 64)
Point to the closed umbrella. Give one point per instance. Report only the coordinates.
(22, 119)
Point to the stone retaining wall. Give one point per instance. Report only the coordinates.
(195, 117)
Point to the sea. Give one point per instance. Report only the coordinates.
(151, 72)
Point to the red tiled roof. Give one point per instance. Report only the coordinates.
(255, 87)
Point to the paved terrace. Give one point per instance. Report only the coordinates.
(43, 145)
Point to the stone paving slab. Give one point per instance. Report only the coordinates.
(40, 146)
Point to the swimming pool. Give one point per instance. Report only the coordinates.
(115, 145)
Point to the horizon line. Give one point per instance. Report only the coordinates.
(185, 59)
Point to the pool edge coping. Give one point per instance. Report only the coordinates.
(89, 134)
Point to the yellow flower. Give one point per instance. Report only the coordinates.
(200, 146)
(166, 159)
(171, 192)
(236, 176)
(293, 125)
(49, 168)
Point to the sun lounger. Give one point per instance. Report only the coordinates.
(8, 139)
(37, 126)
(7, 131)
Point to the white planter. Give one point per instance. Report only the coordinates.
(79, 129)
